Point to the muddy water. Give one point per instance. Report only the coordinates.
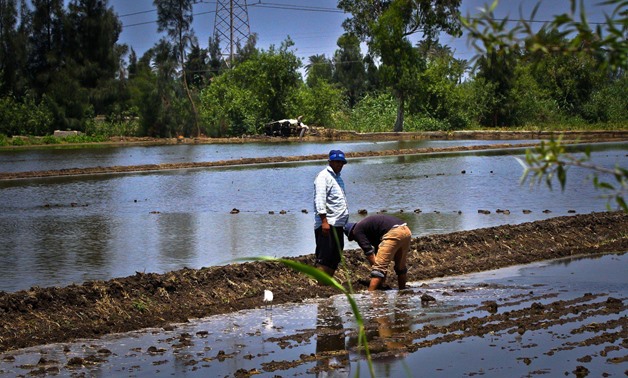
(318, 338)
(58, 231)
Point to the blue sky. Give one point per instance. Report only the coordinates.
(314, 26)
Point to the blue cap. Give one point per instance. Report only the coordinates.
(337, 155)
(347, 230)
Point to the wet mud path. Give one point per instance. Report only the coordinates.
(61, 314)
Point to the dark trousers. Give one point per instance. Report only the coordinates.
(328, 248)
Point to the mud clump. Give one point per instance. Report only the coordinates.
(62, 314)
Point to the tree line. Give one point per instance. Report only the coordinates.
(63, 68)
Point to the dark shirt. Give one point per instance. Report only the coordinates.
(369, 231)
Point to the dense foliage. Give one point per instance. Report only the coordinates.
(579, 78)
(61, 67)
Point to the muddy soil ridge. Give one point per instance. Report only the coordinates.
(570, 137)
(236, 162)
(60, 314)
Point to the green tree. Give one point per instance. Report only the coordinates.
(258, 90)
(373, 77)
(67, 99)
(73, 58)
(91, 34)
(607, 43)
(349, 71)
(132, 67)
(319, 104)
(229, 109)
(319, 68)
(246, 52)
(142, 88)
(498, 67)
(22, 50)
(46, 42)
(197, 67)
(215, 62)
(534, 104)
(386, 27)
(570, 79)
(175, 18)
(9, 64)
(156, 93)
(440, 96)
(476, 95)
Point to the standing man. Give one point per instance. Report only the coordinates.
(383, 238)
(330, 213)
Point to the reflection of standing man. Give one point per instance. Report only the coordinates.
(331, 351)
(384, 239)
(331, 213)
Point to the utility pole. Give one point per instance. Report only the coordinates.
(231, 26)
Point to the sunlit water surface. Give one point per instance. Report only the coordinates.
(58, 231)
(63, 157)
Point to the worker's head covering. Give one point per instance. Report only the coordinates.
(347, 230)
(337, 155)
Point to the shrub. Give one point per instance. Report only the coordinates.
(23, 118)
(609, 104)
(49, 139)
(18, 142)
(115, 127)
(374, 113)
(418, 123)
(82, 138)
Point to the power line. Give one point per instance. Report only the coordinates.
(136, 13)
(307, 9)
(296, 7)
(315, 9)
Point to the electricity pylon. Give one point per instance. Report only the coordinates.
(231, 25)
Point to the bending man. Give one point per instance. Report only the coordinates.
(384, 239)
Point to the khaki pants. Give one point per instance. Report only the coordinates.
(395, 246)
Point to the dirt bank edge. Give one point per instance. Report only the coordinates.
(46, 315)
(572, 137)
(243, 161)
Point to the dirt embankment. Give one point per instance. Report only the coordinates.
(243, 161)
(330, 135)
(45, 315)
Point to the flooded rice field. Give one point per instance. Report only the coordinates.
(562, 317)
(64, 157)
(68, 230)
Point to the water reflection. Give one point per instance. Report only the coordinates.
(177, 237)
(224, 345)
(330, 343)
(393, 318)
